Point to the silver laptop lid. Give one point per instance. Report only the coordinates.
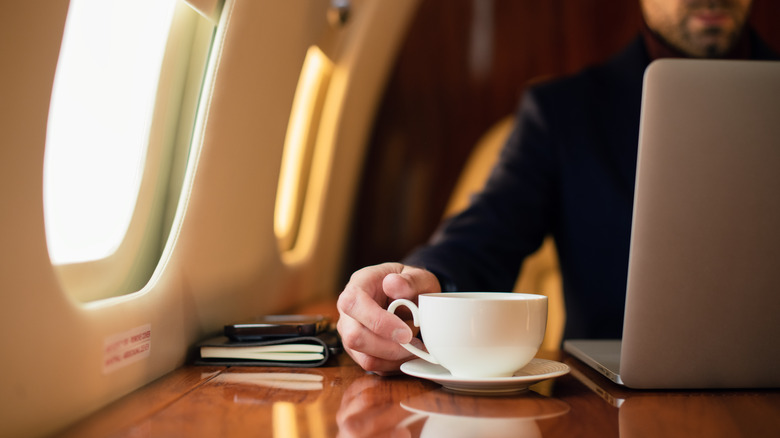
(703, 293)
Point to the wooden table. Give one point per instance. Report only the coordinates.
(341, 400)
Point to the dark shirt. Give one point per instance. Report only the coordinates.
(567, 170)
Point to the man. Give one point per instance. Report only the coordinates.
(567, 170)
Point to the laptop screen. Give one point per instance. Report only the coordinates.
(702, 295)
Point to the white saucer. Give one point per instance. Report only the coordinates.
(536, 371)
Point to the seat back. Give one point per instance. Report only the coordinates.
(540, 273)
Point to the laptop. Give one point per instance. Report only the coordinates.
(703, 293)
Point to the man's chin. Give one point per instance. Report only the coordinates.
(710, 43)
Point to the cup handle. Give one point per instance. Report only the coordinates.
(415, 311)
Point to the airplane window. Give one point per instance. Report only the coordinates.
(112, 135)
(100, 115)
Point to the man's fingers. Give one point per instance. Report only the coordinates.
(362, 308)
(369, 279)
(370, 334)
(357, 337)
(409, 283)
(384, 367)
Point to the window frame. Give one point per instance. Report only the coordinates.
(174, 117)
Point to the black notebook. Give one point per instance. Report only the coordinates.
(296, 351)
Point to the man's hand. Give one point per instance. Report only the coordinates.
(370, 334)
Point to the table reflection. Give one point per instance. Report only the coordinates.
(716, 415)
(685, 413)
(295, 399)
(452, 415)
(244, 387)
(290, 381)
(369, 408)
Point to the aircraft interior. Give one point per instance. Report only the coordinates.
(276, 147)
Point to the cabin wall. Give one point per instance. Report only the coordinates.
(222, 261)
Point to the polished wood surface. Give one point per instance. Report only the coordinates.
(341, 400)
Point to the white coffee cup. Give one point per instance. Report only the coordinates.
(478, 334)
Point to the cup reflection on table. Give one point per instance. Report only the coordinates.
(450, 415)
(368, 409)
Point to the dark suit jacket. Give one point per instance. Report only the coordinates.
(568, 170)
